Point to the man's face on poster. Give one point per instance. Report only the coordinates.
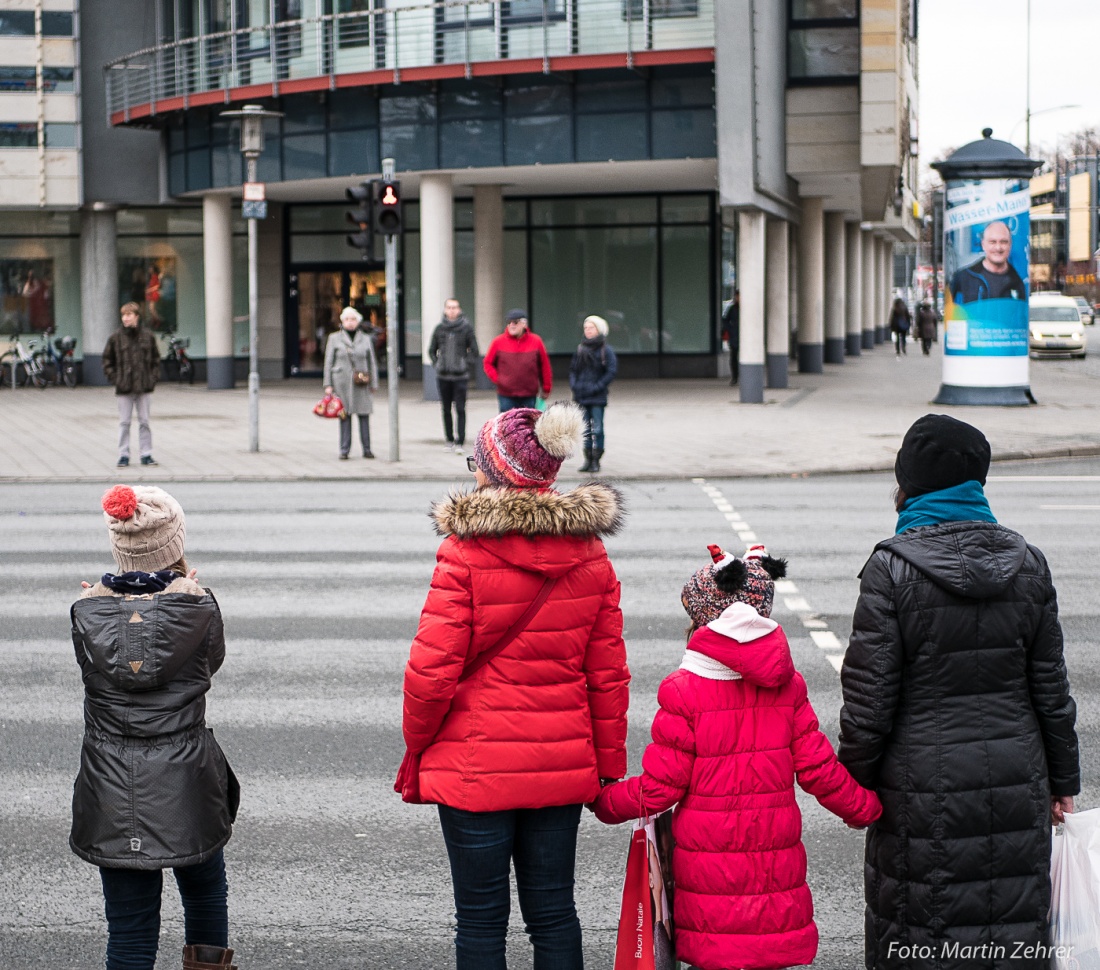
(996, 244)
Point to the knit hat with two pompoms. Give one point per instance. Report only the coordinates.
(728, 580)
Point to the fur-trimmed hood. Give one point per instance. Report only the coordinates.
(594, 509)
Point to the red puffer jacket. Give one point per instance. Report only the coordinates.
(541, 723)
(734, 728)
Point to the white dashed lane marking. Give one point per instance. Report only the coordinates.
(817, 628)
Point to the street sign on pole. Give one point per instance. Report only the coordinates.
(392, 378)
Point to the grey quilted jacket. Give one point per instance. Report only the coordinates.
(154, 790)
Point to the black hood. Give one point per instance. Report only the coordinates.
(140, 643)
(973, 559)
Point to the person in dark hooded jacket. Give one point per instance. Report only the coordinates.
(154, 790)
(452, 347)
(591, 372)
(957, 712)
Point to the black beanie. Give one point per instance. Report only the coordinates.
(938, 452)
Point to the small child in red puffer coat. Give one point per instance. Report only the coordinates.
(734, 730)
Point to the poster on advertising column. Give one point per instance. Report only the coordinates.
(986, 230)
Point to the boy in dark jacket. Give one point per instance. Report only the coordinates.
(452, 346)
(131, 361)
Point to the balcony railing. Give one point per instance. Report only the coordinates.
(391, 41)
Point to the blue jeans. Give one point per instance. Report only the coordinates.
(508, 403)
(543, 844)
(132, 898)
(593, 428)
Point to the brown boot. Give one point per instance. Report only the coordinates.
(202, 957)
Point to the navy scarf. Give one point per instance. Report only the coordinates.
(139, 582)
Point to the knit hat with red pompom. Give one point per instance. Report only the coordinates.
(728, 580)
(524, 447)
(146, 527)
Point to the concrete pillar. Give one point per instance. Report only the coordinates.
(867, 303)
(811, 288)
(778, 313)
(437, 262)
(878, 320)
(751, 253)
(853, 257)
(793, 273)
(888, 268)
(98, 288)
(835, 288)
(217, 264)
(488, 269)
(272, 295)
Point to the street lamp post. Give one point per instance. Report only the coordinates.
(253, 208)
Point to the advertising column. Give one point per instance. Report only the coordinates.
(986, 233)
(986, 230)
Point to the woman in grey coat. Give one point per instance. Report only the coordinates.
(154, 790)
(351, 373)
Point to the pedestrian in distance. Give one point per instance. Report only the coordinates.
(927, 322)
(131, 361)
(591, 372)
(517, 363)
(731, 333)
(452, 347)
(516, 688)
(957, 711)
(733, 731)
(900, 322)
(154, 790)
(351, 373)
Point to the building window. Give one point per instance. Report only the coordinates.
(57, 24)
(60, 135)
(823, 41)
(17, 79)
(16, 23)
(19, 135)
(57, 79)
(636, 9)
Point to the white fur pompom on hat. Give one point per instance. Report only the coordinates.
(559, 429)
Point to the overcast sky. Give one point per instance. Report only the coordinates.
(972, 70)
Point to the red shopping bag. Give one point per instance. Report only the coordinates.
(634, 945)
(330, 406)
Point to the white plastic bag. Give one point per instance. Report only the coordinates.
(1075, 893)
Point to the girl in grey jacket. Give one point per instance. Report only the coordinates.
(154, 790)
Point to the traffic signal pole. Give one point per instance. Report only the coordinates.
(392, 385)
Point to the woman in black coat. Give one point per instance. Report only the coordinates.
(591, 372)
(154, 790)
(957, 712)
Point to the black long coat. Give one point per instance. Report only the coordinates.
(154, 790)
(957, 712)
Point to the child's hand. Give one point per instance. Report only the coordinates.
(84, 585)
(192, 574)
(858, 828)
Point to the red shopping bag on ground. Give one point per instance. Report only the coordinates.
(634, 945)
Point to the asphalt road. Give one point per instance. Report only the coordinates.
(321, 587)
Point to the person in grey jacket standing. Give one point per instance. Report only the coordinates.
(452, 347)
(351, 373)
(154, 790)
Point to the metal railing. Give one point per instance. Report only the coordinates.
(395, 39)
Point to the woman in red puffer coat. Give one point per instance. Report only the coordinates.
(511, 751)
(734, 729)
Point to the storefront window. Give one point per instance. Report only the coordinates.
(685, 300)
(40, 274)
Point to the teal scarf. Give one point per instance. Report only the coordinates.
(960, 503)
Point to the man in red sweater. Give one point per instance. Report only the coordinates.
(518, 364)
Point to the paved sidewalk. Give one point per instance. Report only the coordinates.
(850, 418)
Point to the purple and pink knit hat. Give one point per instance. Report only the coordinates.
(728, 580)
(524, 447)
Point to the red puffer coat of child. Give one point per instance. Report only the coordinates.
(545, 720)
(734, 729)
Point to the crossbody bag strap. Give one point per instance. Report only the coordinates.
(514, 630)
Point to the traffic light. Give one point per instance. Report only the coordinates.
(360, 217)
(387, 208)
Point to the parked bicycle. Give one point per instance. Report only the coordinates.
(56, 360)
(177, 365)
(20, 364)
